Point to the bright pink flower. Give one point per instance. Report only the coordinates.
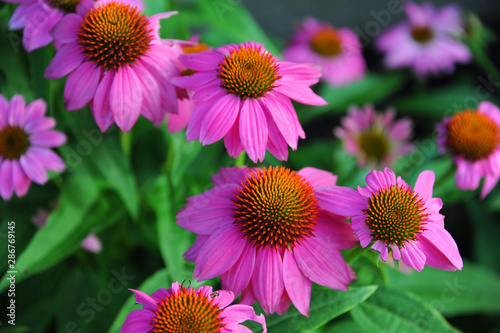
(91, 243)
(473, 139)
(268, 233)
(245, 98)
(119, 75)
(375, 138)
(38, 17)
(181, 309)
(394, 216)
(26, 137)
(426, 42)
(337, 51)
(185, 101)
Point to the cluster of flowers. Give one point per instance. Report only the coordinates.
(267, 232)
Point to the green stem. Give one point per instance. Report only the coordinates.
(126, 141)
(240, 160)
(58, 181)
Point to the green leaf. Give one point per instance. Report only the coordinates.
(373, 88)
(80, 209)
(345, 326)
(173, 240)
(394, 310)
(153, 283)
(326, 304)
(473, 290)
(230, 22)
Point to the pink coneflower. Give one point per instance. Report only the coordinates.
(426, 42)
(473, 139)
(337, 51)
(181, 309)
(375, 138)
(91, 243)
(185, 101)
(116, 62)
(245, 98)
(26, 136)
(392, 215)
(265, 232)
(38, 17)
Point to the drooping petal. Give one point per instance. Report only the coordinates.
(6, 180)
(239, 313)
(297, 285)
(20, 181)
(440, 248)
(267, 280)
(47, 139)
(126, 98)
(67, 58)
(238, 277)
(219, 119)
(145, 300)
(137, 321)
(101, 107)
(253, 130)
(341, 200)
(317, 177)
(424, 184)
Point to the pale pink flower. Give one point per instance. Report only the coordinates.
(427, 41)
(245, 97)
(119, 75)
(336, 51)
(390, 215)
(268, 234)
(26, 137)
(91, 243)
(38, 17)
(374, 138)
(181, 309)
(473, 140)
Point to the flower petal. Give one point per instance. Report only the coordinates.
(238, 277)
(21, 182)
(440, 248)
(317, 177)
(424, 184)
(267, 280)
(67, 58)
(253, 130)
(6, 179)
(341, 200)
(100, 106)
(297, 285)
(239, 313)
(126, 98)
(219, 119)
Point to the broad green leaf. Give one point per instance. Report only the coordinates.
(473, 290)
(373, 88)
(80, 210)
(395, 310)
(180, 155)
(345, 326)
(173, 240)
(326, 304)
(153, 283)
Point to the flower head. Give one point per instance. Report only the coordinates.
(38, 17)
(336, 51)
(390, 215)
(267, 233)
(426, 42)
(375, 138)
(181, 309)
(472, 137)
(245, 98)
(116, 63)
(26, 137)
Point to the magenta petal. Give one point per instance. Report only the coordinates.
(253, 130)
(219, 119)
(33, 168)
(37, 32)
(145, 300)
(47, 158)
(38, 125)
(232, 141)
(4, 105)
(297, 285)
(34, 110)
(322, 264)
(276, 144)
(239, 313)
(81, 85)
(424, 184)
(151, 108)
(192, 253)
(489, 183)
(16, 110)
(341, 200)
(22, 13)
(223, 298)
(299, 92)
(91, 243)
(126, 98)
(440, 248)
(138, 321)
(67, 58)
(66, 30)
(335, 231)
(47, 139)
(317, 177)
(101, 107)
(412, 256)
(201, 61)
(233, 175)
(283, 119)
(381, 179)
(6, 179)
(219, 253)
(20, 181)
(267, 280)
(239, 276)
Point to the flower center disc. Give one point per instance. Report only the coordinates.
(113, 35)
(395, 215)
(248, 72)
(68, 6)
(187, 311)
(13, 142)
(422, 34)
(327, 42)
(276, 208)
(374, 145)
(473, 135)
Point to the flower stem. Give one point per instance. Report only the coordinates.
(240, 160)
(126, 141)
